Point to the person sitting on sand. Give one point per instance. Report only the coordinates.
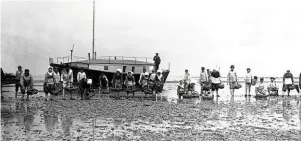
(261, 88)
(26, 82)
(49, 83)
(159, 81)
(248, 81)
(203, 78)
(186, 80)
(232, 79)
(130, 80)
(180, 89)
(288, 81)
(272, 87)
(117, 79)
(104, 82)
(254, 81)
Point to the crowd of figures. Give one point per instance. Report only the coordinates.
(55, 82)
(210, 82)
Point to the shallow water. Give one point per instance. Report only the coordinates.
(102, 118)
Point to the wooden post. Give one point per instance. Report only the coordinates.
(88, 60)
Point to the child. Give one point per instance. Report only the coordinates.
(248, 82)
(261, 88)
(215, 81)
(180, 89)
(232, 79)
(272, 87)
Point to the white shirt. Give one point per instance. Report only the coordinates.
(81, 75)
(203, 77)
(248, 78)
(232, 76)
(56, 77)
(187, 77)
(152, 76)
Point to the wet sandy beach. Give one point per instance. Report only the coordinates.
(103, 118)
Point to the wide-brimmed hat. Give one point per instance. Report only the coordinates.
(49, 67)
(232, 66)
(130, 72)
(119, 70)
(248, 69)
(19, 66)
(272, 78)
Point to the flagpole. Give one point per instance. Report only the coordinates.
(93, 57)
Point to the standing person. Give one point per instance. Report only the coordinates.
(67, 79)
(159, 81)
(203, 78)
(49, 83)
(248, 81)
(130, 83)
(288, 80)
(232, 79)
(26, 82)
(57, 76)
(82, 81)
(104, 82)
(187, 80)
(18, 78)
(152, 77)
(117, 79)
(216, 80)
(142, 75)
(157, 61)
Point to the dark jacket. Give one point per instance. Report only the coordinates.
(288, 75)
(157, 60)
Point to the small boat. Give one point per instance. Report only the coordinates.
(193, 94)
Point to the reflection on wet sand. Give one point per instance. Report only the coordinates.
(224, 118)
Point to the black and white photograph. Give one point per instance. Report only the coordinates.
(150, 70)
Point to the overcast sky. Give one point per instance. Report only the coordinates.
(264, 35)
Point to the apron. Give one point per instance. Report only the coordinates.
(216, 80)
(288, 81)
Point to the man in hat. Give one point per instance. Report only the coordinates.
(288, 81)
(232, 79)
(157, 61)
(18, 78)
(248, 81)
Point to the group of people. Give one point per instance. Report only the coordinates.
(210, 82)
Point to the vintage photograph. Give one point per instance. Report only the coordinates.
(148, 70)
